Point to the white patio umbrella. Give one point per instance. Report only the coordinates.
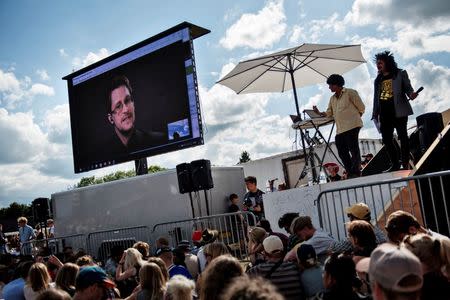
(299, 66)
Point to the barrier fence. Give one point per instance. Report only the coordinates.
(231, 227)
(54, 245)
(425, 196)
(100, 243)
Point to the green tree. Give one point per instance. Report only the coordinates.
(245, 157)
(92, 180)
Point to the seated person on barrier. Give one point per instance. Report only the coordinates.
(358, 211)
(285, 275)
(346, 107)
(306, 232)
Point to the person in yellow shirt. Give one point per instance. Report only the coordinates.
(346, 107)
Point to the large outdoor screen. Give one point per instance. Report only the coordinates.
(140, 102)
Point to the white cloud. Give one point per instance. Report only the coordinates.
(41, 89)
(14, 91)
(42, 73)
(399, 12)
(62, 52)
(57, 124)
(22, 139)
(257, 31)
(409, 28)
(90, 58)
(436, 82)
(8, 82)
(297, 34)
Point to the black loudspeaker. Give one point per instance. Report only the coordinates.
(184, 174)
(201, 175)
(379, 162)
(141, 166)
(41, 209)
(429, 126)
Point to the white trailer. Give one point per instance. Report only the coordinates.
(142, 200)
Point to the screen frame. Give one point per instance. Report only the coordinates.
(80, 166)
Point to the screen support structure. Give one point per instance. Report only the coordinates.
(141, 166)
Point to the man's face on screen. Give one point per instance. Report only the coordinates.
(122, 109)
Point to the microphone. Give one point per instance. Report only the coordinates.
(420, 89)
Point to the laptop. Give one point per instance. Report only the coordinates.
(312, 114)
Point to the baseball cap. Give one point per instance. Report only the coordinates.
(92, 275)
(306, 253)
(197, 236)
(163, 250)
(359, 210)
(396, 269)
(184, 244)
(273, 244)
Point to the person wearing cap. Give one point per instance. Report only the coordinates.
(346, 107)
(93, 284)
(166, 255)
(332, 171)
(434, 254)
(285, 275)
(395, 273)
(358, 211)
(311, 270)
(367, 158)
(401, 223)
(320, 240)
(191, 260)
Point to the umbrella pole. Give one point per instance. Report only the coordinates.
(291, 72)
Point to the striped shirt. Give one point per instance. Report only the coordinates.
(286, 278)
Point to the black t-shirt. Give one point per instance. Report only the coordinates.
(387, 108)
(233, 208)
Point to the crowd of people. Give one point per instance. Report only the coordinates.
(405, 261)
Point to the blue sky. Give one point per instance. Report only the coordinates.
(43, 41)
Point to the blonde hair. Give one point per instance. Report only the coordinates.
(152, 279)
(65, 278)
(38, 277)
(22, 219)
(257, 234)
(133, 258)
(179, 288)
(85, 260)
(143, 248)
(216, 249)
(432, 252)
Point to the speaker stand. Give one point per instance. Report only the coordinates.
(207, 202)
(192, 205)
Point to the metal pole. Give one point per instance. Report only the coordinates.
(291, 72)
(192, 205)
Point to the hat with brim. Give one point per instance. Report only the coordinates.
(332, 165)
(93, 275)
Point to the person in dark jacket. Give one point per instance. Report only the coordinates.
(391, 107)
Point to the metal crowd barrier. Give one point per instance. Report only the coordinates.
(425, 196)
(232, 229)
(99, 243)
(54, 245)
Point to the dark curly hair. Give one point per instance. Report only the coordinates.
(336, 79)
(389, 61)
